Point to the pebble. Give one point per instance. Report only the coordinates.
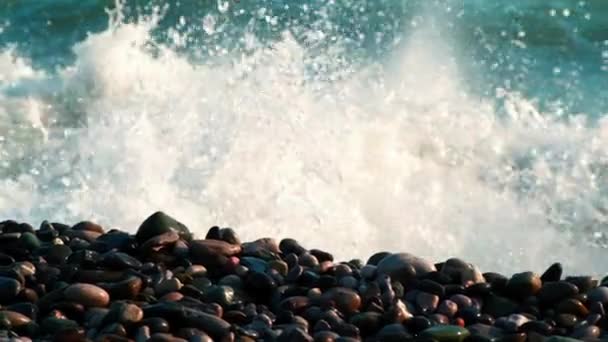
(446, 333)
(522, 285)
(87, 294)
(404, 267)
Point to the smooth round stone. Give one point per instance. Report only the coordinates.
(584, 283)
(470, 315)
(288, 246)
(598, 294)
(586, 333)
(321, 256)
(461, 300)
(345, 300)
(212, 252)
(30, 241)
(17, 319)
(515, 321)
(553, 292)
(308, 260)
(86, 235)
(572, 306)
(295, 303)
(448, 308)
(222, 295)
(53, 325)
(430, 286)
(426, 302)
(158, 242)
(497, 280)
(254, 264)
(368, 272)
(172, 297)
(446, 333)
(552, 274)
(403, 267)
(367, 322)
(196, 271)
(125, 313)
(27, 309)
(120, 261)
(58, 254)
(539, 327)
(167, 286)
(156, 324)
(279, 266)
(9, 288)
(265, 248)
(90, 226)
(87, 294)
(522, 285)
(462, 272)
(160, 223)
(229, 235)
(566, 320)
(125, 289)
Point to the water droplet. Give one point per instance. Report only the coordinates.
(566, 12)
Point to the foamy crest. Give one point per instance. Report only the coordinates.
(398, 157)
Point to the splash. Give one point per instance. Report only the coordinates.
(398, 156)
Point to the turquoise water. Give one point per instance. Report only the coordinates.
(471, 128)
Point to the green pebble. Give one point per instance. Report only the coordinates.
(446, 333)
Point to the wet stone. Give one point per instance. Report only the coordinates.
(572, 306)
(9, 288)
(120, 261)
(446, 333)
(87, 294)
(403, 267)
(160, 223)
(553, 292)
(599, 294)
(552, 274)
(522, 285)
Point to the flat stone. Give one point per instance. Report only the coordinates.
(87, 294)
(9, 288)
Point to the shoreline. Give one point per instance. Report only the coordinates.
(83, 283)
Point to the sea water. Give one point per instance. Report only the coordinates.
(445, 128)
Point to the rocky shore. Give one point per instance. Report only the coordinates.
(86, 283)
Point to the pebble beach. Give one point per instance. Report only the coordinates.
(88, 283)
